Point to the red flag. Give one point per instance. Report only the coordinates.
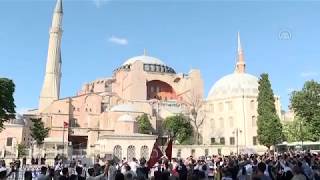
(156, 154)
(169, 150)
(65, 124)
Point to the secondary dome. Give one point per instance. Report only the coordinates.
(234, 85)
(145, 59)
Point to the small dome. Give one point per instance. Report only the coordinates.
(126, 118)
(123, 108)
(144, 59)
(233, 85)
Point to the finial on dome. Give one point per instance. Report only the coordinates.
(145, 52)
(240, 65)
(58, 7)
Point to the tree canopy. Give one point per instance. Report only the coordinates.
(306, 104)
(7, 105)
(297, 130)
(38, 131)
(22, 150)
(144, 125)
(269, 125)
(178, 127)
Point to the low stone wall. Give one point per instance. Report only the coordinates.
(209, 150)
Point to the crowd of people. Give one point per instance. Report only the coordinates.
(285, 166)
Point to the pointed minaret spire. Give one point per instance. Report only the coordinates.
(51, 84)
(240, 65)
(239, 43)
(58, 7)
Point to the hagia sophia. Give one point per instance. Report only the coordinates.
(101, 116)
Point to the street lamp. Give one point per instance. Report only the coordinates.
(237, 131)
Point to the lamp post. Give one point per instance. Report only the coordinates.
(237, 131)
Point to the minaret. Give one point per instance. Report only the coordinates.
(51, 84)
(240, 65)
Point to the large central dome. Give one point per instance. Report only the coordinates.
(150, 64)
(234, 85)
(145, 59)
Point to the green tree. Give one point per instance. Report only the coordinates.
(22, 150)
(144, 125)
(297, 130)
(7, 105)
(178, 127)
(306, 104)
(269, 125)
(38, 131)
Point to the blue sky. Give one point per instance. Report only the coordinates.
(99, 35)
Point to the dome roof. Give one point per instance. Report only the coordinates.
(233, 85)
(145, 59)
(126, 118)
(123, 108)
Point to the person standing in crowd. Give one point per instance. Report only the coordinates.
(65, 174)
(43, 174)
(129, 174)
(91, 175)
(119, 175)
(182, 170)
(142, 171)
(298, 174)
(261, 172)
(79, 173)
(133, 164)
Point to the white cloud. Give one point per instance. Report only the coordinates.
(118, 40)
(309, 74)
(99, 3)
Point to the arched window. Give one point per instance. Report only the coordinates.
(254, 121)
(220, 107)
(162, 68)
(231, 122)
(211, 107)
(212, 125)
(131, 153)
(179, 153)
(252, 105)
(117, 152)
(221, 123)
(152, 67)
(222, 141)
(146, 67)
(229, 105)
(144, 152)
(158, 68)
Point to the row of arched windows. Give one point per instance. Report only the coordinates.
(227, 106)
(221, 123)
(158, 68)
(131, 152)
